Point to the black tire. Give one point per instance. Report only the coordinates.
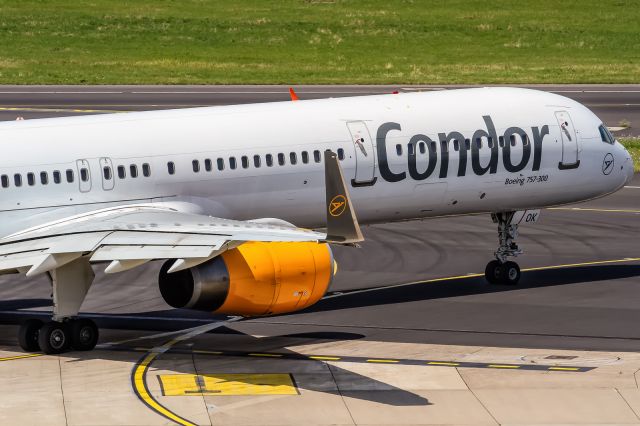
(510, 273)
(492, 272)
(84, 335)
(28, 335)
(54, 338)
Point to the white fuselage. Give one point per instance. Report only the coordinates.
(405, 156)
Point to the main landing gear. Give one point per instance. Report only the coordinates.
(70, 283)
(56, 337)
(500, 270)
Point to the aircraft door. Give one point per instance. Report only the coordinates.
(84, 175)
(106, 169)
(364, 153)
(569, 141)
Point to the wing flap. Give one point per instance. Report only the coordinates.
(131, 252)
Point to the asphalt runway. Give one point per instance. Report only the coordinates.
(617, 105)
(585, 306)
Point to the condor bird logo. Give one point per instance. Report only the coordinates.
(607, 164)
(337, 205)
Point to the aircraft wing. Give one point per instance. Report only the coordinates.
(129, 236)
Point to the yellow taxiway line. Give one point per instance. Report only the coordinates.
(11, 358)
(588, 209)
(31, 109)
(141, 368)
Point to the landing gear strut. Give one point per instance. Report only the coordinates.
(500, 270)
(70, 283)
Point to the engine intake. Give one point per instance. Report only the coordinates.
(255, 279)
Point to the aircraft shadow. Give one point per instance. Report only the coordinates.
(471, 286)
(348, 382)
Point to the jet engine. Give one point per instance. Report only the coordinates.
(254, 279)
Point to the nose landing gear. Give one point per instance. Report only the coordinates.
(501, 271)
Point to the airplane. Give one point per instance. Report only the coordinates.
(243, 203)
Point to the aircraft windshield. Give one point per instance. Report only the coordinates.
(606, 135)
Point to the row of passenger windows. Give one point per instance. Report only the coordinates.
(422, 146)
(122, 171)
(69, 175)
(133, 171)
(44, 177)
(257, 161)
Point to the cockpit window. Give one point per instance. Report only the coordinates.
(606, 135)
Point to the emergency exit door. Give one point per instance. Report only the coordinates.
(364, 154)
(569, 141)
(84, 175)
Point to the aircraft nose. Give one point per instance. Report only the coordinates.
(628, 166)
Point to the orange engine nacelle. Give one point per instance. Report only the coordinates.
(254, 279)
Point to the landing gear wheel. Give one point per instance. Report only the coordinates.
(84, 335)
(53, 338)
(28, 335)
(493, 272)
(510, 273)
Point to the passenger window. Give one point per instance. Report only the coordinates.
(444, 146)
(423, 147)
(196, 166)
(467, 144)
(513, 140)
(341, 153)
(232, 163)
(305, 157)
(133, 171)
(256, 161)
(17, 179)
(56, 176)
(293, 158)
(281, 159)
(269, 160)
(122, 172)
(411, 149)
(207, 165)
(220, 162)
(433, 147)
(146, 170)
(69, 173)
(501, 141)
(316, 156)
(84, 174)
(456, 145)
(5, 181)
(490, 142)
(106, 172)
(479, 143)
(171, 168)
(31, 179)
(245, 161)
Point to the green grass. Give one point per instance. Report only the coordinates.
(633, 146)
(295, 42)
